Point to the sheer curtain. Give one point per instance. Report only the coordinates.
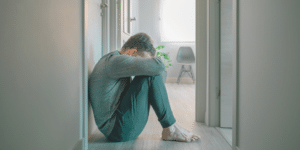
(177, 21)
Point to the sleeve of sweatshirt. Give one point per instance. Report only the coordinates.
(120, 66)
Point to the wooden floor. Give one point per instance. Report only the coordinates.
(182, 101)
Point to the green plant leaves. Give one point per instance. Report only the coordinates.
(164, 56)
(160, 47)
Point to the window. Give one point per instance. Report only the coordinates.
(177, 22)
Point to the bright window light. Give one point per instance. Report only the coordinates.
(177, 22)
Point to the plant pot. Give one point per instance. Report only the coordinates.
(164, 76)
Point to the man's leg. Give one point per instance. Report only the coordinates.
(133, 111)
(159, 100)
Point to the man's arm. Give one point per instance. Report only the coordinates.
(120, 66)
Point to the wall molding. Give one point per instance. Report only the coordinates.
(78, 145)
(83, 87)
(235, 73)
(182, 80)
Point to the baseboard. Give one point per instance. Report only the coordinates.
(78, 145)
(236, 148)
(224, 136)
(182, 80)
(92, 127)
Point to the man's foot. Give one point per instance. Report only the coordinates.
(177, 133)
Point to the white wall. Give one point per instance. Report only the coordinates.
(93, 43)
(149, 23)
(40, 77)
(269, 84)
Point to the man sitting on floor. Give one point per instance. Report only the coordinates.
(121, 105)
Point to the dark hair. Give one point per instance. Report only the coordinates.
(141, 41)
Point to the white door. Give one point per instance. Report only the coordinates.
(124, 25)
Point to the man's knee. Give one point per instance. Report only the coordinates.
(149, 79)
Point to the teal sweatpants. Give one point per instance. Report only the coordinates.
(133, 111)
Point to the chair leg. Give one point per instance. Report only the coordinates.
(181, 71)
(191, 71)
(188, 71)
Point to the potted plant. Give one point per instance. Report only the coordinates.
(165, 58)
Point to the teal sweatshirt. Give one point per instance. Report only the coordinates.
(109, 78)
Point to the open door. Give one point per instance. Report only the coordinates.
(124, 25)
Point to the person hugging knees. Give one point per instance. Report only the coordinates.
(139, 45)
(121, 105)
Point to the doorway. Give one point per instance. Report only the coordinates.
(201, 44)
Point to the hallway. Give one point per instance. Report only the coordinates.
(182, 101)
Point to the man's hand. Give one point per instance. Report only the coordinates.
(130, 52)
(135, 53)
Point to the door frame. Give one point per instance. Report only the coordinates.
(122, 37)
(208, 64)
(83, 130)
(206, 101)
(105, 26)
(207, 60)
(113, 25)
(212, 115)
(235, 73)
